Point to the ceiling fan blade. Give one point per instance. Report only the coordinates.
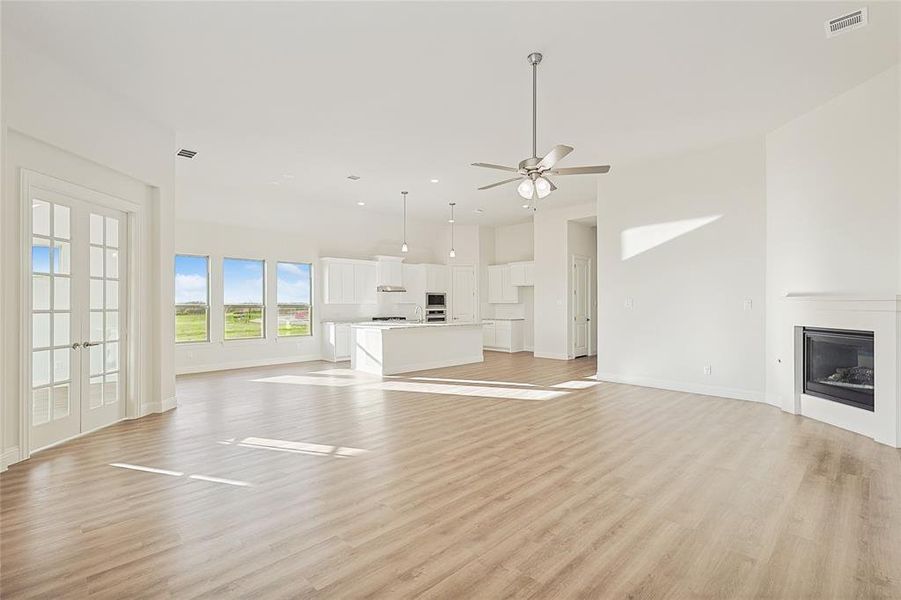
(581, 170)
(486, 187)
(556, 154)
(499, 167)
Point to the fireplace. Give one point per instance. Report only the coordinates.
(838, 366)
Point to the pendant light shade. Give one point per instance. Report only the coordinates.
(452, 252)
(403, 247)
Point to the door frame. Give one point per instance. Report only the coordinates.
(571, 350)
(135, 223)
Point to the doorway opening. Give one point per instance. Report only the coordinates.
(581, 241)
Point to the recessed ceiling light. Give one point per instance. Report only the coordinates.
(450, 220)
(361, 203)
(479, 210)
(525, 206)
(433, 180)
(353, 177)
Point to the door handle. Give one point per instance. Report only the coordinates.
(89, 344)
(76, 345)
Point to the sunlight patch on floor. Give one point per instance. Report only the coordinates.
(475, 381)
(308, 380)
(295, 447)
(469, 390)
(195, 476)
(576, 384)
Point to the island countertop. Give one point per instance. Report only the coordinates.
(412, 325)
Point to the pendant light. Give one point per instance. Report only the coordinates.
(452, 253)
(403, 247)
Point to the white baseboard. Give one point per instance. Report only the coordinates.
(10, 456)
(552, 355)
(683, 386)
(529, 348)
(169, 404)
(245, 364)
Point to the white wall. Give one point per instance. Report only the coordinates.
(683, 239)
(514, 243)
(56, 124)
(582, 240)
(552, 277)
(833, 207)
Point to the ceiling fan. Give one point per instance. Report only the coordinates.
(532, 172)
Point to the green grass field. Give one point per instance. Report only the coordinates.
(191, 325)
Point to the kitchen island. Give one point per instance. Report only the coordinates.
(392, 348)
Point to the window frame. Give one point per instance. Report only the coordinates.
(209, 307)
(278, 304)
(262, 306)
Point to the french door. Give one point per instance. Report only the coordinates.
(78, 301)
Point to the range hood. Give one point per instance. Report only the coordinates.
(390, 288)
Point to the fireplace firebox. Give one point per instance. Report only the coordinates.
(838, 366)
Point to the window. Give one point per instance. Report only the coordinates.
(244, 290)
(192, 298)
(294, 306)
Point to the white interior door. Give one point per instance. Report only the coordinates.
(581, 305)
(77, 312)
(463, 300)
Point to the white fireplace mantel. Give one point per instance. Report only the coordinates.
(879, 313)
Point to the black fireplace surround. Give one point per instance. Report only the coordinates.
(838, 366)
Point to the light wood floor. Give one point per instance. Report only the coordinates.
(524, 481)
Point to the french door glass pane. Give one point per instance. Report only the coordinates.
(95, 392)
(61, 293)
(40, 292)
(40, 368)
(112, 294)
(40, 255)
(96, 229)
(112, 326)
(40, 217)
(40, 330)
(96, 360)
(61, 358)
(112, 356)
(111, 388)
(61, 329)
(112, 232)
(61, 401)
(40, 401)
(96, 262)
(62, 258)
(96, 294)
(60, 221)
(96, 334)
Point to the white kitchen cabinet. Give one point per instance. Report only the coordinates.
(336, 341)
(488, 334)
(364, 283)
(437, 278)
(415, 281)
(522, 274)
(348, 281)
(390, 270)
(504, 335)
(500, 286)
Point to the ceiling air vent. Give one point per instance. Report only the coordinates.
(852, 20)
(353, 177)
(186, 153)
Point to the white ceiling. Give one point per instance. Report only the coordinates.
(399, 93)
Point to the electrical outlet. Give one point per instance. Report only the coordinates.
(749, 304)
(708, 369)
(629, 303)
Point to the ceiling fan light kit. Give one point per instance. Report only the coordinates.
(532, 172)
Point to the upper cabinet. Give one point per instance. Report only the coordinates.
(390, 270)
(347, 281)
(437, 278)
(522, 274)
(501, 289)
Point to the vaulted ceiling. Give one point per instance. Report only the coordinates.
(402, 93)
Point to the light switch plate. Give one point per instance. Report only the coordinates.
(749, 304)
(629, 303)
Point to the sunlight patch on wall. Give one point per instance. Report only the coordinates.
(636, 240)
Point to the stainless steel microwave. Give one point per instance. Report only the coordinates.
(435, 300)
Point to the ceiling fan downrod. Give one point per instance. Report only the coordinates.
(534, 59)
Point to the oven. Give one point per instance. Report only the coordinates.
(435, 307)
